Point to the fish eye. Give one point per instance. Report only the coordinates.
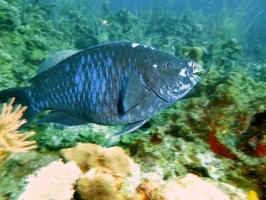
(169, 66)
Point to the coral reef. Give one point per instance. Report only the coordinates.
(11, 141)
(56, 181)
(194, 53)
(16, 171)
(9, 19)
(56, 138)
(105, 169)
(102, 182)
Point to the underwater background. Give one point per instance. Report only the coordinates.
(216, 135)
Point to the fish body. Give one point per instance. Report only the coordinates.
(119, 83)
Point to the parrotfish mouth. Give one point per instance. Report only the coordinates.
(196, 68)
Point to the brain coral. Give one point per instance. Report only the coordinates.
(97, 184)
(89, 156)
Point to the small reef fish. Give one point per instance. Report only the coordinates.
(118, 83)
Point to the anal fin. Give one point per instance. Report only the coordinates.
(131, 127)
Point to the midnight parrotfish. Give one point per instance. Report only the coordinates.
(118, 83)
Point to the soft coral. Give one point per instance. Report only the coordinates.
(217, 147)
(260, 150)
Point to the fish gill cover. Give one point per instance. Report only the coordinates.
(218, 126)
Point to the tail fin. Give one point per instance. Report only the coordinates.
(21, 97)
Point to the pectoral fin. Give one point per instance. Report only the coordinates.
(133, 93)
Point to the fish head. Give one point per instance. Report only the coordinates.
(173, 77)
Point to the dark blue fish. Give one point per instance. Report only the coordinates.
(120, 83)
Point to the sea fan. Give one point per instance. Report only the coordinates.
(11, 141)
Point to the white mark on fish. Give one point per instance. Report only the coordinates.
(135, 45)
(193, 79)
(183, 73)
(190, 63)
(155, 66)
(161, 91)
(175, 90)
(185, 87)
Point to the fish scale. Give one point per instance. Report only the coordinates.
(119, 83)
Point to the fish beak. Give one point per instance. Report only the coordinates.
(197, 68)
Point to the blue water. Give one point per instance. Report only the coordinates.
(207, 6)
(254, 15)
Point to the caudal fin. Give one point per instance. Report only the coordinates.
(21, 97)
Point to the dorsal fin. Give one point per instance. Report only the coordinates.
(54, 59)
(40, 77)
(43, 75)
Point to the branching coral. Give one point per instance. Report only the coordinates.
(11, 141)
